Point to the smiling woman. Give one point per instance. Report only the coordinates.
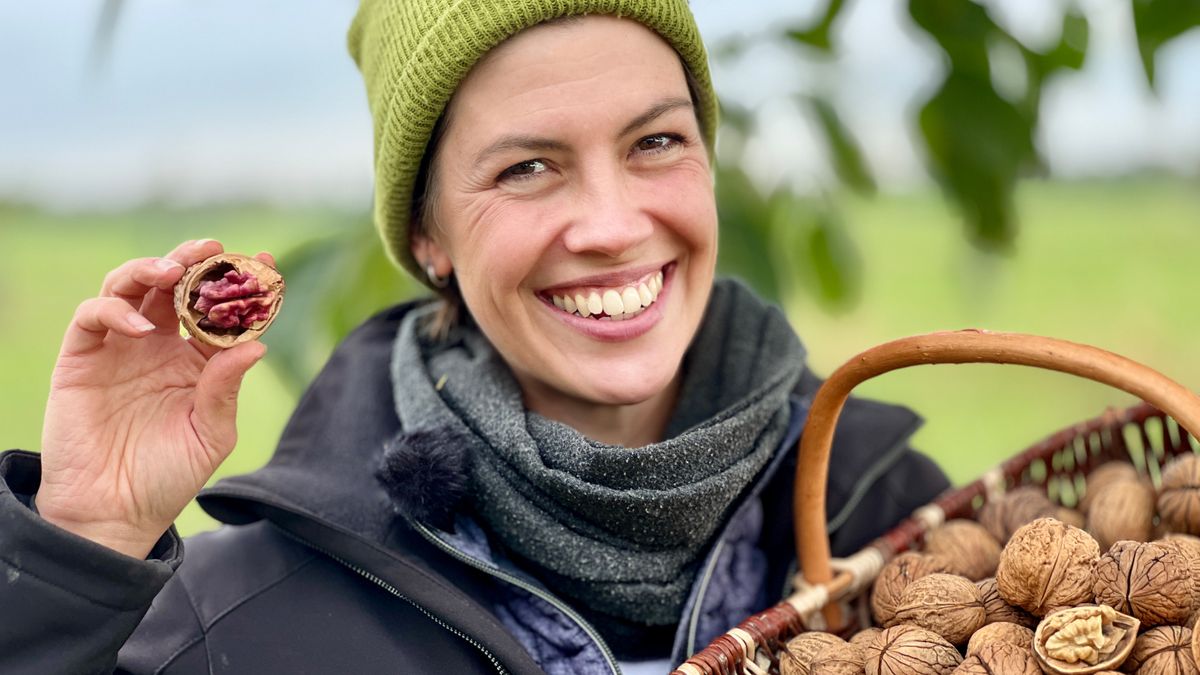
(585, 470)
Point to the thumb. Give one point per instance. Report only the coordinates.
(215, 412)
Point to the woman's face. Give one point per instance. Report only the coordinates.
(574, 204)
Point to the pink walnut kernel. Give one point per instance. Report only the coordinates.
(234, 300)
(228, 299)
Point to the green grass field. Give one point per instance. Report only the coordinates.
(1111, 264)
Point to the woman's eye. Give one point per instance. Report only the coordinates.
(523, 170)
(658, 143)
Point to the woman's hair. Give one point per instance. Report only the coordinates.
(452, 311)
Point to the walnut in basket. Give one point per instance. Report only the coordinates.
(1001, 631)
(1163, 650)
(1122, 509)
(895, 576)
(799, 652)
(1004, 515)
(909, 650)
(1047, 564)
(1000, 657)
(946, 604)
(997, 610)
(1101, 477)
(1081, 640)
(843, 658)
(1179, 495)
(1150, 580)
(967, 545)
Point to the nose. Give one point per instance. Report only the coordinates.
(608, 218)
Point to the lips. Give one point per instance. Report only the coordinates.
(616, 303)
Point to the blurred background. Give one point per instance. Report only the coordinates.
(885, 168)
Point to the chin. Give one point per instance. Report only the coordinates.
(628, 384)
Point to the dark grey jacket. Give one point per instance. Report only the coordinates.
(315, 572)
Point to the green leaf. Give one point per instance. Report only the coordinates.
(1157, 22)
(744, 233)
(835, 261)
(818, 35)
(843, 148)
(978, 143)
(961, 28)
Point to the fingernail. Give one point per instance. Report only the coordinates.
(166, 264)
(139, 322)
(202, 242)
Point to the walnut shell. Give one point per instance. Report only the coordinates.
(799, 652)
(895, 576)
(1001, 658)
(1195, 645)
(967, 545)
(865, 636)
(845, 658)
(996, 609)
(1179, 495)
(1104, 475)
(1001, 631)
(1122, 510)
(1081, 640)
(1163, 650)
(1047, 564)
(1150, 580)
(1070, 516)
(1189, 547)
(946, 604)
(1003, 516)
(909, 650)
(268, 296)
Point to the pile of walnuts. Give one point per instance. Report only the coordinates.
(1034, 587)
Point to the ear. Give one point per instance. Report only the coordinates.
(427, 252)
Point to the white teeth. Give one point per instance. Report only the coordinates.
(617, 304)
(630, 300)
(612, 303)
(644, 295)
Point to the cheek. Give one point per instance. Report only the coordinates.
(684, 199)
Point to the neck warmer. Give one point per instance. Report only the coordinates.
(618, 531)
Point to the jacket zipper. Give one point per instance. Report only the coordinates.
(694, 619)
(394, 591)
(527, 587)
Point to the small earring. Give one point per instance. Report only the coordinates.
(434, 279)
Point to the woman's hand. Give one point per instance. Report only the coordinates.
(139, 417)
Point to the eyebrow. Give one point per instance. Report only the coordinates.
(543, 144)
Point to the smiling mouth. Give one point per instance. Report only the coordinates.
(610, 304)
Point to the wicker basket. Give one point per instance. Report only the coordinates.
(831, 593)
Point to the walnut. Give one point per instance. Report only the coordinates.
(228, 299)
(1003, 516)
(946, 604)
(1086, 639)
(799, 652)
(1001, 657)
(1106, 474)
(1195, 644)
(1047, 564)
(865, 636)
(844, 658)
(1069, 516)
(996, 609)
(1164, 650)
(1150, 580)
(895, 576)
(1179, 495)
(1001, 631)
(1122, 510)
(967, 545)
(909, 650)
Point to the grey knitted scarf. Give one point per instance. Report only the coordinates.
(620, 531)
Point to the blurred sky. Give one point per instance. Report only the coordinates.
(220, 100)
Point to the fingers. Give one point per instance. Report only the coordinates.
(95, 317)
(158, 305)
(134, 279)
(267, 258)
(215, 414)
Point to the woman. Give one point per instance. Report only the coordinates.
(589, 465)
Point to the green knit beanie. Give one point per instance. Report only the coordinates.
(414, 53)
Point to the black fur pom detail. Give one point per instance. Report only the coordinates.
(425, 472)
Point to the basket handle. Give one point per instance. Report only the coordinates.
(964, 346)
